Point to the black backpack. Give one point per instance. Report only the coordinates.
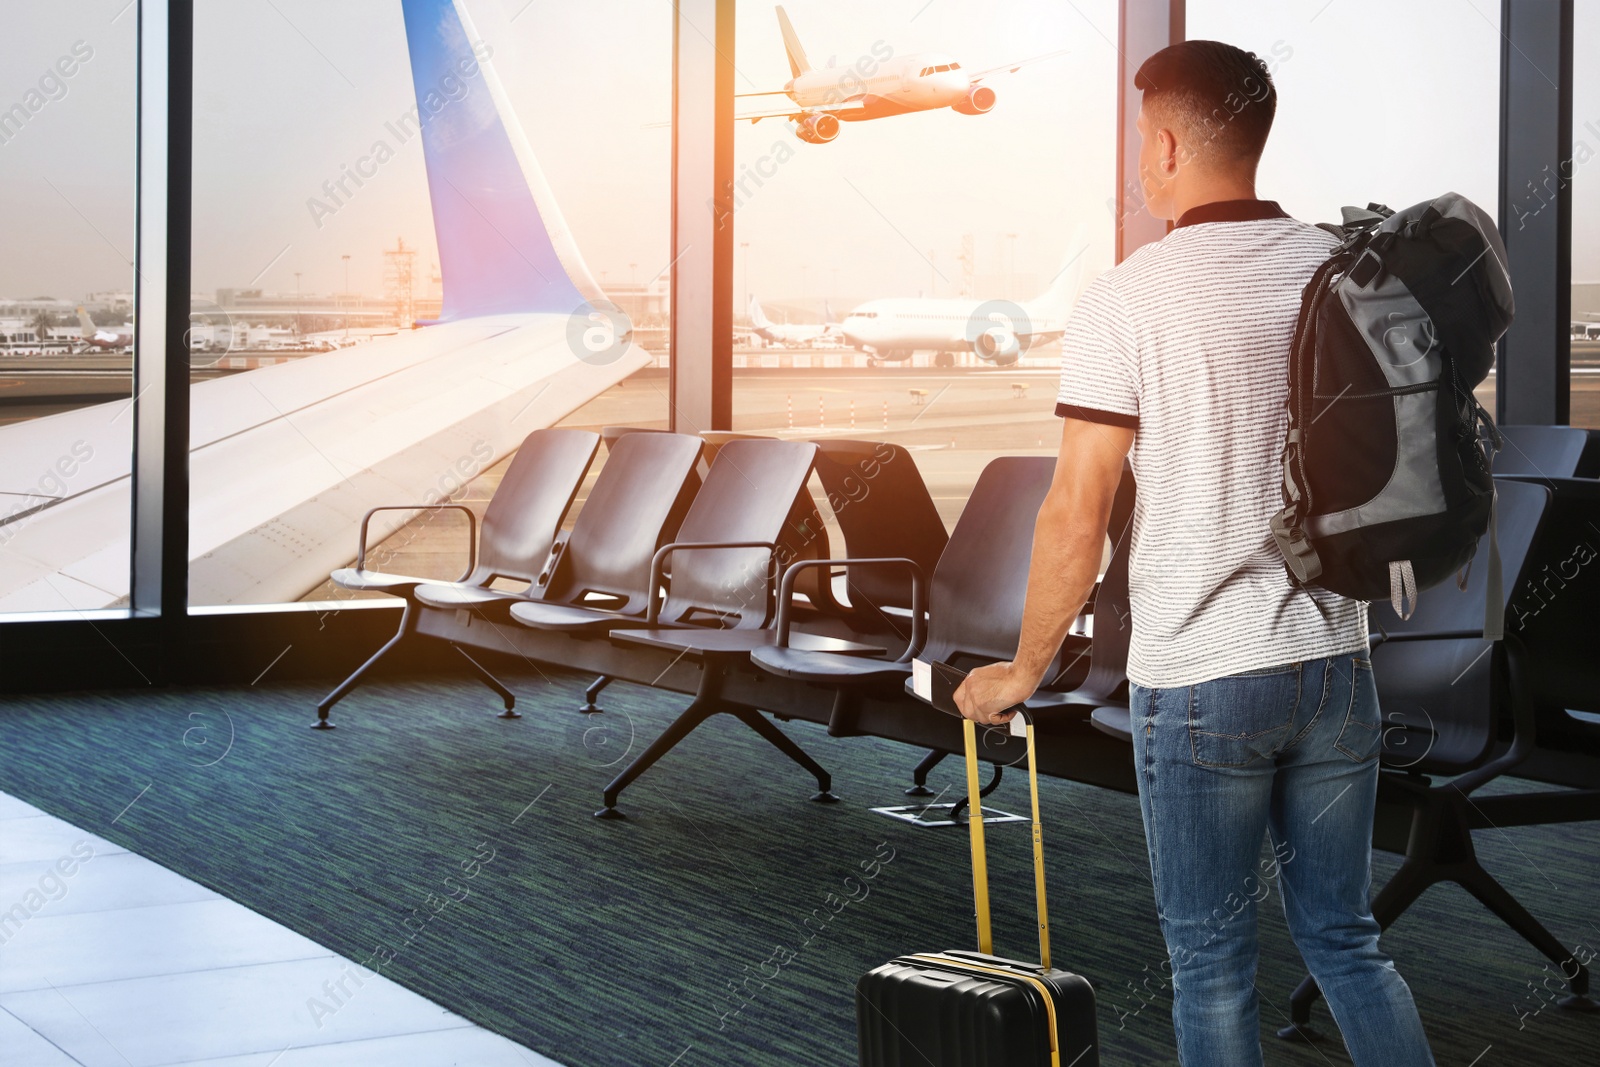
(1386, 467)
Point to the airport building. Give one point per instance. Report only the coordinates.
(705, 535)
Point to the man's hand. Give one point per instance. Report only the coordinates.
(985, 695)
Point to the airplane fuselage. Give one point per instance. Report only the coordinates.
(895, 328)
(110, 339)
(921, 82)
(790, 335)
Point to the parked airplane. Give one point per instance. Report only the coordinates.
(105, 336)
(787, 334)
(285, 460)
(876, 87)
(997, 331)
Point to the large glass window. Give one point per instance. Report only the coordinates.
(1345, 135)
(1585, 177)
(915, 218)
(66, 305)
(404, 220)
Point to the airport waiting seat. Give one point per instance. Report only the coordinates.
(718, 571)
(1113, 630)
(1557, 620)
(974, 608)
(883, 509)
(610, 435)
(520, 525)
(603, 565)
(1460, 708)
(805, 535)
(600, 573)
(975, 611)
(1104, 686)
(1541, 451)
(974, 603)
(1092, 678)
(721, 593)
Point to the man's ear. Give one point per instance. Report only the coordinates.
(1168, 156)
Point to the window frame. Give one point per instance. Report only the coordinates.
(159, 639)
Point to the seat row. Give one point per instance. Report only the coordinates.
(700, 565)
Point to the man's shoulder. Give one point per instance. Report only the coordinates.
(1189, 246)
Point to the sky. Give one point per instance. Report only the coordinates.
(289, 91)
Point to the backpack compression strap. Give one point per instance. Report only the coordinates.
(1402, 587)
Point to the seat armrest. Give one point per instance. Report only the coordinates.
(919, 591)
(1424, 635)
(1523, 738)
(472, 532)
(659, 560)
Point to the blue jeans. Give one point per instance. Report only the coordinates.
(1288, 753)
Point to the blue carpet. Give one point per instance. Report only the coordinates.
(725, 922)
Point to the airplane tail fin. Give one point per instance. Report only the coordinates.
(86, 323)
(1063, 290)
(758, 318)
(504, 247)
(827, 314)
(798, 64)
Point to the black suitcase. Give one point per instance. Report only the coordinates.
(976, 1009)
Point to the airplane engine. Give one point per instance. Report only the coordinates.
(997, 345)
(817, 128)
(979, 99)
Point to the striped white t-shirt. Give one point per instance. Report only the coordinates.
(1188, 341)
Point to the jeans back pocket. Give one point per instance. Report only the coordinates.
(1244, 718)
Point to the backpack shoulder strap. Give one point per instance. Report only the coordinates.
(1363, 217)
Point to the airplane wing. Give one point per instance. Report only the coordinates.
(286, 459)
(1011, 68)
(792, 111)
(795, 110)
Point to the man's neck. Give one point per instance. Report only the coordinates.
(1211, 193)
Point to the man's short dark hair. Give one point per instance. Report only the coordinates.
(1223, 95)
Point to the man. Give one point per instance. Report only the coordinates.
(1253, 706)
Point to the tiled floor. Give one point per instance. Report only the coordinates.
(108, 959)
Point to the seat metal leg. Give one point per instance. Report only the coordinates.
(1494, 896)
(785, 744)
(919, 773)
(960, 804)
(696, 713)
(493, 683)
(593, 690)
(407, 623)
(708, 702)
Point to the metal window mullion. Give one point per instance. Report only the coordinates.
(1144, 27)
(701, 383)
(1534, 366)
(158, 578)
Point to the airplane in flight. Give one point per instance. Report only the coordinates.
(875, 87)
(285, 460)
(997, 331)
(789, 334)
(112, 337)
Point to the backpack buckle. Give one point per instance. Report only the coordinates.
(1298, 555)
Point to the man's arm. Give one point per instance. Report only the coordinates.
(1068, 541)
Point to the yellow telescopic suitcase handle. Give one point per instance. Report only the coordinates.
(980, 862)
